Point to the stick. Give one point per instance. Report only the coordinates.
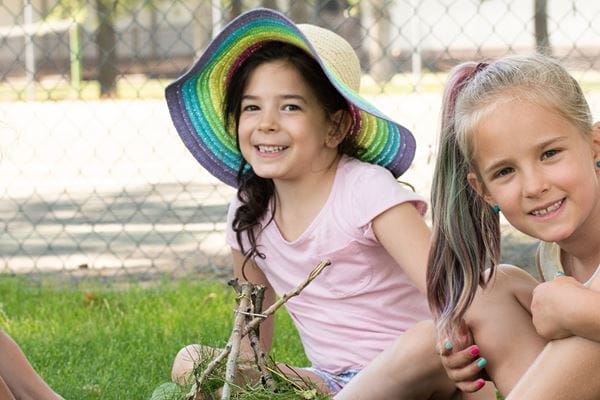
(196, 392)
(236, 337)
(197, 388)
(294, 292)
(253, 335)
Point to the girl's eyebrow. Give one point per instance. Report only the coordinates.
(293, 96)
(283, 96)
(539, 146)
(552, 141)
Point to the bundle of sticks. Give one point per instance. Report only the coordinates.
(248, 317)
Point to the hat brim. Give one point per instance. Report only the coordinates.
(195, 100)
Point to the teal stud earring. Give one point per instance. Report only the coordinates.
(496, 209)
(598, 164)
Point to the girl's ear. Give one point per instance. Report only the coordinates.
(479, 188)
(596, 141)
(341, 122)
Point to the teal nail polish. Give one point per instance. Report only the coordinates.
(482, 362)
(448, 346)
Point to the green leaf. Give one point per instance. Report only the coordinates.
(307, 394)
(167, 391)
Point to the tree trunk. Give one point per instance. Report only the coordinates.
(236, 9)
(540, 18)
(154, 46)
(329, 13)
(106, 42)
(298, 11)
(379, 29)
(272, 4)
(202, 26)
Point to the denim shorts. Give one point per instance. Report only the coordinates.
(334, 382)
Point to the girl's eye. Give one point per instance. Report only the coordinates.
(503, 172)
(250, 107)
(291, 107)
(550, 153)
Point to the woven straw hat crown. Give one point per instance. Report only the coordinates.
(336, 52)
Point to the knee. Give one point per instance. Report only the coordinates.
(184, 363)
(418, 346)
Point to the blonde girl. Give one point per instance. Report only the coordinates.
(517, 138)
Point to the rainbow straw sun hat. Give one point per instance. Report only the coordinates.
(196, 98)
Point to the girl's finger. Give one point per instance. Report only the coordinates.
(469, 373)
(445, 348)
(470, 387)
(460, 359)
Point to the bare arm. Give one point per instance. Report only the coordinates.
(403, 233)
(19, 375)
(254, 275)
(563, 307)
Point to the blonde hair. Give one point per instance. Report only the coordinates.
(466, 232)
(536, 78)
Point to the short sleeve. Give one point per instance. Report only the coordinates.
(230, 236)
(376, 191)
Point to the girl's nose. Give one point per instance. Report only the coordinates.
(268, 122)
(534, 183)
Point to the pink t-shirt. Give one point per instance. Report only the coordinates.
(363, 301)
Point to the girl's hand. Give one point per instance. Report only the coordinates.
(550, 304)
(462, 362)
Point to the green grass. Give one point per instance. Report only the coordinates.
(90, 342)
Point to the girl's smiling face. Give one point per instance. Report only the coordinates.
(539, 169)
(284, 132)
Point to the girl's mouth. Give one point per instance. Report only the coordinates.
(541, 212)
(270, 149)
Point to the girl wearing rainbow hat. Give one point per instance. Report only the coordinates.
(272, 108)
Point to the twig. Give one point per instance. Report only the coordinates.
(196, 392)
(294, 292)
(253, 335)
(235, 339)
(258, 297)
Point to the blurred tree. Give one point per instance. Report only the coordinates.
(106, 12)
(202, 22)
(382, 64)
(298, 11)
(236, 9)
(540, 18)
(106, 45)
(272, 4)
(329, 13)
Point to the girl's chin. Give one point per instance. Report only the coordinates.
(552, 235)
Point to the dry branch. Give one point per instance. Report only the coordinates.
(236, 337)
(253, 334)
(294, 292)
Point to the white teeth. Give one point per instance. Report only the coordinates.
(270, 149)
(553, 207)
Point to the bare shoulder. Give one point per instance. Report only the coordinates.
(510, 280)
(509, 271)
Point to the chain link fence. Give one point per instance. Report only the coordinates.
(94, 180)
